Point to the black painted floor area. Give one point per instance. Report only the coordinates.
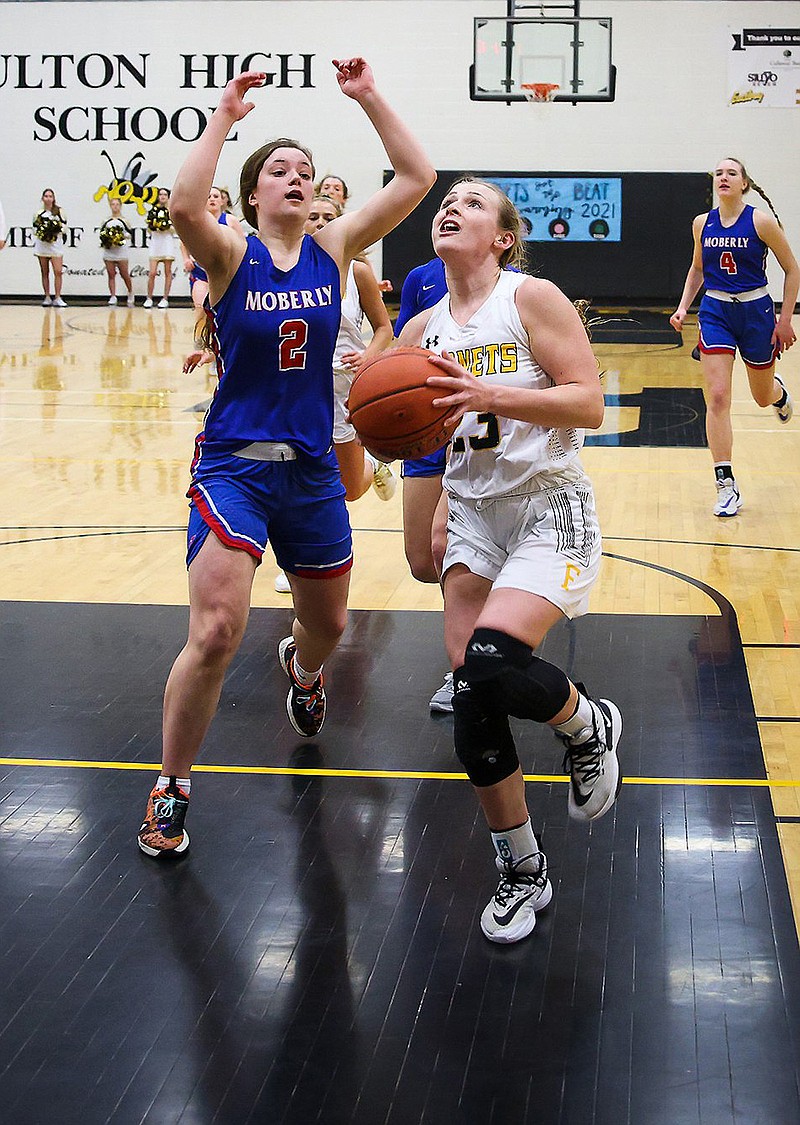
(317, 957)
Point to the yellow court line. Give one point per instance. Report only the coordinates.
(413, 775)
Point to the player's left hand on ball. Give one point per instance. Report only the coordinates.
(462, 391)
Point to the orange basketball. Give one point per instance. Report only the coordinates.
(392, 408)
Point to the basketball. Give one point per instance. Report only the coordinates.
(392, 409)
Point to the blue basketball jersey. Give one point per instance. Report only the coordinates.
(273, 333)
(734, 258)
(423, 288)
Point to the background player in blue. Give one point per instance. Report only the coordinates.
(264, 466)
(423, 538)
(730, 253)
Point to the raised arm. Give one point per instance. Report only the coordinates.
(219, 248)
(414, 174)
(694, 278)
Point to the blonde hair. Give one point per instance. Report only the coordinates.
(508, 219)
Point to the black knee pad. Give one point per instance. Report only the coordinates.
(483, 740)
(524, 685)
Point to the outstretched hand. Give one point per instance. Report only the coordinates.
(355, 77)
(232, 101)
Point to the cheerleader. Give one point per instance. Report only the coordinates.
(162, 247)
(49, 229)
(115, 238)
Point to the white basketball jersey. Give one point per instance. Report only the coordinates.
(349, 338)
(492, 455)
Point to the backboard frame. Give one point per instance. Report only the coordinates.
(570, 91)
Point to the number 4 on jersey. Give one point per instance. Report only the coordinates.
(727, 262)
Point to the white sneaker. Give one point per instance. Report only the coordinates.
(112, 300)
(442, 698)
(593, 764)
(511, 913)
(148, 304)
(59, 304)
(384, 482)
(163, 303)
(728, 499)
(131, 300)
(786, 411)
(282, 583)
(46, 303)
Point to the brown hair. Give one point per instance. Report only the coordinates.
(508, 219)
(751, 183)
(332, 176)
(251, 170)
(56, 209)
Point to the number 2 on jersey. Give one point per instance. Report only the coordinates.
(727, 262)
(293, 336)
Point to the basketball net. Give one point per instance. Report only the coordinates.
(539, 91)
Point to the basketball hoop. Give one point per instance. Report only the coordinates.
(539, 91)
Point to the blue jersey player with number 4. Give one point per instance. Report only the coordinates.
(730, 252)
(264, 466)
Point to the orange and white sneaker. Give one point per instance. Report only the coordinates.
(162, 832)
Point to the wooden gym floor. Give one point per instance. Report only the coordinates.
(316, 957)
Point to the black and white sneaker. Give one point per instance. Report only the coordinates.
(305, 706)
(511, 913)
(784, 407)
(593, 765)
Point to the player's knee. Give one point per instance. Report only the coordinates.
(765, 395)
(483, 741)
(522, 684)
(216, 635)
(421, 563)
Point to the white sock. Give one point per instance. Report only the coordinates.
(307, 679)
(517, 846)
(581, 723)
(372, 461)
(183, 783)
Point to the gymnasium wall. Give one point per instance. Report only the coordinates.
(90, 91)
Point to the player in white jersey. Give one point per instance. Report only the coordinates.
(361, 298)
(523, 542)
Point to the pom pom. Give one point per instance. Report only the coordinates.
(113, 233)
(158, 218)
(47, 227)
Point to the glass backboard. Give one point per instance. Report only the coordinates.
(574, 53)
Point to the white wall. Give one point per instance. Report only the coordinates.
(670, 114)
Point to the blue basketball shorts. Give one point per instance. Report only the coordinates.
(197, 274)
(746, 325)
(297, 506)
(431, 466)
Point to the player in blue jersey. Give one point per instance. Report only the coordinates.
(264, 466)
(730, 253)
